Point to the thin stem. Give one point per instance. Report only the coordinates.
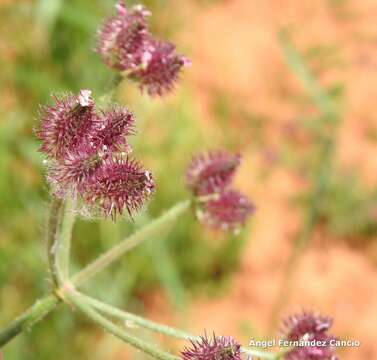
(30, 317)
(162, 329)
(54, 223)
(130, 242)
(138, 320)
(65, 238)
(107, 325)
(260, 354)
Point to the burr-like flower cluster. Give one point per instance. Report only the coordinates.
(309, 327)
(126, 44)
(87, 152)
(209, 177)
(215, 348)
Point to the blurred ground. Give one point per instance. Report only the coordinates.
(245, 96)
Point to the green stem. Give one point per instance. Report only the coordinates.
(130, 242)
(260, 354)
(65, 238)
(159, 328)
(30, 317)
(54, 223)
(138, 320)
(25, 320)
(107, 325)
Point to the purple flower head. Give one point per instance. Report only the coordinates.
(309, 327)
(86, 152)
(118, 183)
(122, 38)
(114, 126)
(159, 68)
(65, 124)
(216, 348)
(212, 172)
(73, 171)
(228, 211)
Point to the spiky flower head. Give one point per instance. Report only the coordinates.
(87, 155)
(124, 42)
(215, 348)
(111, 134)
(160, 68)
(309, 326)
(228, 211)
(209, 177)
(123, 38)
(119, 183)
(65, 123)
(211, 173)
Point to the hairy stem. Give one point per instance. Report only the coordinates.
(159, 328)
(107, 325)
(153, 228)
(54, 223)
(137, 320)
(30, 317)
(260, 354)
(65, 238)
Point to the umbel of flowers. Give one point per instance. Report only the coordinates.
(126, 45)
(209, 177)
(88, 155)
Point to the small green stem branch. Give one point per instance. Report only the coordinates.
(34, 314)
(150, 230)
(137, 320)
(74, 298)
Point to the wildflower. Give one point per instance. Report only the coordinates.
(125, 44)
(123, 38)
(159, 69)
(118, 183)
(212, 172)
(65, 123)
(86, 152)
(309, 327)
(228, 211)
(216, 348)
(209, 176)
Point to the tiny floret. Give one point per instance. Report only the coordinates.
(212, 172)
(160, 68)
(119, 183)
(228, 212)
(65, 123)
(217, 205)
(123, 37)
(215, 348)
(116, 124)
